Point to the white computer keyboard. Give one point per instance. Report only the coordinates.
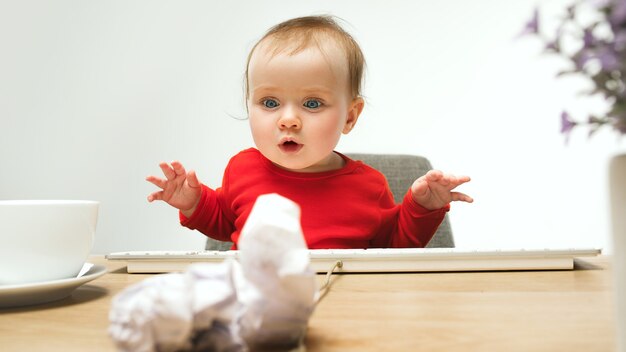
(377, 259)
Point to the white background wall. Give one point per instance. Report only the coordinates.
(93, 94)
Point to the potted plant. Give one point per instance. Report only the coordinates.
(594, 47)
(600, 56)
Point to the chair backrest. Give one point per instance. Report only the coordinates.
(401, 171)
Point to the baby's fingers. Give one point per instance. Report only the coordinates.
(159, 182)
(458, 196)
(168, 171)
(155, 196)
(452, 181)
(179, 170)
(463, 179)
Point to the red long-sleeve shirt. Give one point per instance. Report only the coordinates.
(352, 207)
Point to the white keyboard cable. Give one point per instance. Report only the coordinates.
(326, 286)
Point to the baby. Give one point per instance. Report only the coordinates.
(303, 91)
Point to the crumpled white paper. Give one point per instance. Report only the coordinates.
(264, 300)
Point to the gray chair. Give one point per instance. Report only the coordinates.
(400, 171)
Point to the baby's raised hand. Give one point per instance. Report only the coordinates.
(434, 190)
(179, 189)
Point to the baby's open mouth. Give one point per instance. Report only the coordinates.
(290, 146)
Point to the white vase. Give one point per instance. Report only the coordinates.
(617, 174)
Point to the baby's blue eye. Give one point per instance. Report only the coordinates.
(270, 103)
(312, 104)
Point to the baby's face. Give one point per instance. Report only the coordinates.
(299, 105)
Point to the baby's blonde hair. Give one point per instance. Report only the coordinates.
(300, 33)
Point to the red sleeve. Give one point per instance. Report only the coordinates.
(415, 225)
(211, 216)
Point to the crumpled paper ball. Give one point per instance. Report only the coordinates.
(264, 300)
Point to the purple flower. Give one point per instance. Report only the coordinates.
(567, 124)
(588, 39)
(532, 26)
(582, 57)
(555, 45)
(552, 46)
(608, 76)
(608, 59)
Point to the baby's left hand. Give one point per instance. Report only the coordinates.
(434, 190)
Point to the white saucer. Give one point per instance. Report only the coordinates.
(47, 291)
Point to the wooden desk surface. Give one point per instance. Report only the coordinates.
(487, 311)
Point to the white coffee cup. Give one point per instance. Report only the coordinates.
(44, 240)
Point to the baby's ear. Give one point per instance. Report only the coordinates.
(354, 111)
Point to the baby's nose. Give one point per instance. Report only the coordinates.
(289, 119)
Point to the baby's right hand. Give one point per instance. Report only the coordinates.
(179, 189)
